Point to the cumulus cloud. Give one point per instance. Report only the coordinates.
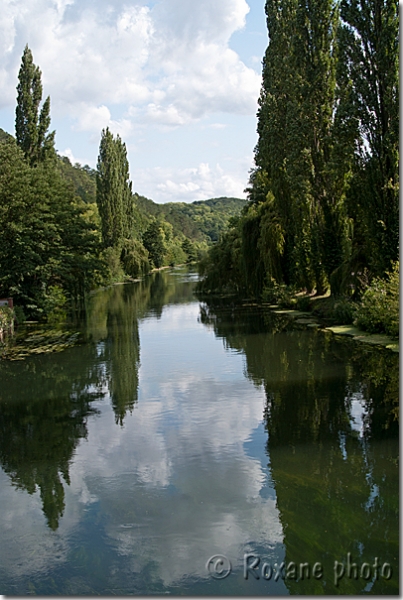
(189, 184)
(169, 63)
(144, 69)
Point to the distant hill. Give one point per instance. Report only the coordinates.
(200, 221)
(83, 179)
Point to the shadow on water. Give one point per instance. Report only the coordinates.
(331, 417)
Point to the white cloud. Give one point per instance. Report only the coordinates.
(187, 185)
(72, 158)
(171, 62)
(145, 70)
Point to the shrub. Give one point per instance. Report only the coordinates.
(20, 316)
(344, 311)
(304, 303)
(378, 311)
(279, 293)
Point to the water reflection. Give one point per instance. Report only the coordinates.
(45, 401)
(175, 433)
(42, 417)
(331, 417)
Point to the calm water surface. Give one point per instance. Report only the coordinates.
(179, 431)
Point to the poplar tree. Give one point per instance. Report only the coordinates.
(370, 56)
(114, 191)
(32, 122)
(296, 142)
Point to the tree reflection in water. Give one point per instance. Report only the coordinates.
(332, 421)
(46, 400)
(43, 412)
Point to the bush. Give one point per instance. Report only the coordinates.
(378, 311)
(174, 254)
(344, 311)
(278, 293)
(304, 303)
(20, 316)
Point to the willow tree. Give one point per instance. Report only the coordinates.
(32, 122)
(114, 191)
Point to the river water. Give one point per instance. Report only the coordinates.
(198, 449)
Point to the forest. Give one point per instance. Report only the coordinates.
(323, 198)
(68, 229)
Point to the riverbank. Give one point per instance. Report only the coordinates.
(317, 312)
(306, 319)
(37, 337)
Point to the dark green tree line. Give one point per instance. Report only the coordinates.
(47, 242)
(370, 63)
(49, 249)
(323, 196)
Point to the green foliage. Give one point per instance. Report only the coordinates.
(190, 250)
(378, 311)
(222, 269)
(5, 137)
(114, 195)
(154, 241)
(83, 179)
(113, 266)
(323, 204)
(20, 316)
(369, 46)
(6, 318)
(55, 305)
(31, 126)
(46, 239)
(135, 259)
(344, 311)
(279, 293)
(303, 303)
(200, 221)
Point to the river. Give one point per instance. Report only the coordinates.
(198, 449)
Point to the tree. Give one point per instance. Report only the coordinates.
(295, 148)
(370, 55)
(154, 242)
(114, 191)
(47, 241)
(31, 126)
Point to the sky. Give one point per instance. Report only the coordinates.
(178, 80)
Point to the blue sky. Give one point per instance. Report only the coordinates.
(177, 79)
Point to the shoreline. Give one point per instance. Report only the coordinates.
(375, 339)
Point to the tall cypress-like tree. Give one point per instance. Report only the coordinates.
(370, 54)
(296, 144)
(114, 191)
(32, 123)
